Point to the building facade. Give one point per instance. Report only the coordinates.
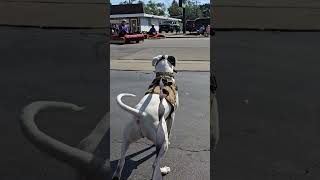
(137, 20)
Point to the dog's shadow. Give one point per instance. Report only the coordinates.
(130, 164)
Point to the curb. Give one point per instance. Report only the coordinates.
(149, 71)
(185, 37)
(146, 66)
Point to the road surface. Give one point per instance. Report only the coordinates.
(268, 96)
(60, 65)
(189, 151)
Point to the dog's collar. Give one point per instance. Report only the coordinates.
(165, 75)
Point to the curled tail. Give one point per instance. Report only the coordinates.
(73, 156)
(127, 108)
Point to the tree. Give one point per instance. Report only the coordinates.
(205, 10)
(174, 10)
(192, 10)
(128, 2)
(155, 8)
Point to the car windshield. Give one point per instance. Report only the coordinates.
(168, 22)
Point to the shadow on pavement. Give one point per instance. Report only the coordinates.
(130, 164)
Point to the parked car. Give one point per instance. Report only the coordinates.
(199, 22)
(190, 26)
(169, 26)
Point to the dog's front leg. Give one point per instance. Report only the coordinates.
(170, 121)
(161, 148)
(157, 171)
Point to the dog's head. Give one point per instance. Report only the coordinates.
(164, 63)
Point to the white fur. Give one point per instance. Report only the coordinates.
(146, 123)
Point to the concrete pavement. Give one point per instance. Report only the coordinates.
(180, 35)
(191, 54)
(267, 14)
(58, 13)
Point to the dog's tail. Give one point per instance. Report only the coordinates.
(127, 108)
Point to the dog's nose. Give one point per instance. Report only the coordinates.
(175, 71)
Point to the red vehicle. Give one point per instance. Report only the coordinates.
(156, 36)
(127, 38)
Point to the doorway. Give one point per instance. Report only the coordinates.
(134, 25)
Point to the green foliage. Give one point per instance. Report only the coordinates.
(155, 8)
(193, 10)
(128, 2)
(205, 10)
(174, 10)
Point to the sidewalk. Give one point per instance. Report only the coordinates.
(187, 35)
(145, 65)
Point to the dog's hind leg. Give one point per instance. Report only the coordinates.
(130, 134)
(117, 173)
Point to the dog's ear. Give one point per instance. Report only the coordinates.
(172, 60)
(156, 59)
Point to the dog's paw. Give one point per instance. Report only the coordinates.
(115, 178)
(165, 170)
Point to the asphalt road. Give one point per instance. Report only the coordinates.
(60, 65)
(189, 151)
(267, 93)
(268, 96)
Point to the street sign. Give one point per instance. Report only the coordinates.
(182, 3)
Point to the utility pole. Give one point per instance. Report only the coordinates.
(183, 5)
(184, 20)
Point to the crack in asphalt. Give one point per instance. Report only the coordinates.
(171, 147)
(309, 169)
(295, 175)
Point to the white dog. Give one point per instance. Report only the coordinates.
(153, 116)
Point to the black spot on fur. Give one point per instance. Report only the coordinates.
(172, 60)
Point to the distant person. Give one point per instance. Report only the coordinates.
(202, 29)
(152, 30)
(123, 28)
(114, 29)
(207, 32)
(178, 29)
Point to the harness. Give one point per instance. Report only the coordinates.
(170, 88)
